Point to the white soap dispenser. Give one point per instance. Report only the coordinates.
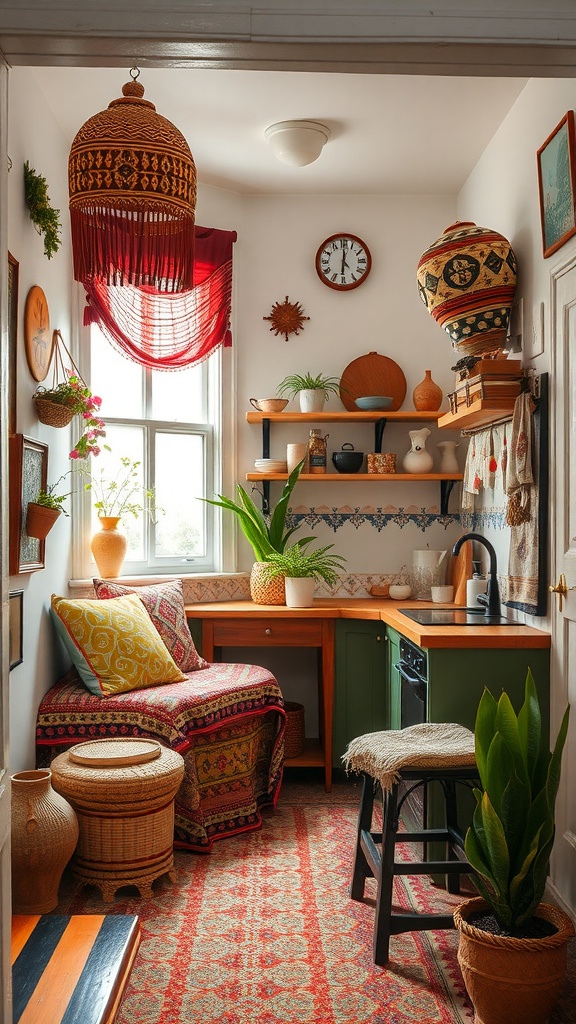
(477, 585)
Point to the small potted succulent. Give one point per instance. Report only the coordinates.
(312, 392)
(512, 949)
(301, 569)
(43, 513)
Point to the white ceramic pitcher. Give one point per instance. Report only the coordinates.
(428, 570)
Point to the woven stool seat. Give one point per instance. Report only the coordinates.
(405, 759)
(123, 793)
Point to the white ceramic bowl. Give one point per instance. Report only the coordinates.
(400, 591)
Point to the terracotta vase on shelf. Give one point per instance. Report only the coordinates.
(109, 547)
(44, 837)
(427, 396)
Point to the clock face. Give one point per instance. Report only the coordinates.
(343, 262)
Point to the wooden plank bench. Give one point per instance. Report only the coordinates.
(71, 969)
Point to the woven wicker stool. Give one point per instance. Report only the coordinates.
(123, 793)
(414, 756)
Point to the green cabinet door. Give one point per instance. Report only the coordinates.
(360, 691)
(393, 675)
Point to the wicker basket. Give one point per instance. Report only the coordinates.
(294, 736)
(54, 414)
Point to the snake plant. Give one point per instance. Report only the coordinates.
(512, 832)
(265, 535)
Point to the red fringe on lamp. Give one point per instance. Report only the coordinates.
(132, 197)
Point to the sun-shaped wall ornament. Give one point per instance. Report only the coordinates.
(286, 318)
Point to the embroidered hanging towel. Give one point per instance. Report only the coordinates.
(519, 475)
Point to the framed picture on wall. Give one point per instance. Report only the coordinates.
(12, 340)
(28, 475)
(556, 183)
(16, 620)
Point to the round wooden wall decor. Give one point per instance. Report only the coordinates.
(372, 374)
(37, 336)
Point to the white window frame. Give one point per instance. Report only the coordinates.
(220, 465)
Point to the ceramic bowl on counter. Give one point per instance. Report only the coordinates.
(370, 403)
(269, 404)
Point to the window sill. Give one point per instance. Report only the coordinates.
(197, 587)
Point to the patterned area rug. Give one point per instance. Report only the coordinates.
(262, 931)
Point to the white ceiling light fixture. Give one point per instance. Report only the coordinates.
(297, 143)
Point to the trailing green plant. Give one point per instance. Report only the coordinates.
(512, 832)
(297, 562)
(42, 214)
(264, 534)
(49, 499)
(122, 492)
(294, 383)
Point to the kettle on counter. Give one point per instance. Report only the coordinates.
(428, 570)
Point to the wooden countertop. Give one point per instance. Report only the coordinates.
(387, 611)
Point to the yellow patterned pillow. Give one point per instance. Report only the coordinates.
(114, 644)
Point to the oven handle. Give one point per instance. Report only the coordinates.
(416, 682)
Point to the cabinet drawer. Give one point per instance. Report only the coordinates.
(268, 632)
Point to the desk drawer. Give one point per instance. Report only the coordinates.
(268, 633)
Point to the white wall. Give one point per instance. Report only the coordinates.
(34, 135)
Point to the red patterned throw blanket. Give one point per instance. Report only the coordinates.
(227, 721)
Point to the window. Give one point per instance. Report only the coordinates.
(168, 423)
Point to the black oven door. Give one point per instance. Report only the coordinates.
(413, 696)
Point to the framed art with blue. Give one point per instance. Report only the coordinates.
(557, 185)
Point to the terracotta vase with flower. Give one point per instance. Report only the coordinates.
(118, 491)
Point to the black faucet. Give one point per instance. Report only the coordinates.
(492, 597)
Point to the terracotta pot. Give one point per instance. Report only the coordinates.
(264, 590)
(467, 280)
(109, 547)
(512, 981)
(44, 837)
(427, 396)
(40, 520)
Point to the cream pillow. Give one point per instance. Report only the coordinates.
(114, 644)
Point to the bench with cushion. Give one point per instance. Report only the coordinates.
(136, 673)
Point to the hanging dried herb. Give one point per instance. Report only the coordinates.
(44, 216)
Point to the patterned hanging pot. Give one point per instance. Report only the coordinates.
(467, 280)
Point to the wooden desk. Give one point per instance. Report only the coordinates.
(74, 968)
(244, 624)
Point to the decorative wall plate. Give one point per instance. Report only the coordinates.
(37, 336)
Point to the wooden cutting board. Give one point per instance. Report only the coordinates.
(461, 572)
(372, 374)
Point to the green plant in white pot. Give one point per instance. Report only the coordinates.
(512, 948)
(312, 392)
(301, 569)
(266, 535)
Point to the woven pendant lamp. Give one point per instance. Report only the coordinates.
(132, 197)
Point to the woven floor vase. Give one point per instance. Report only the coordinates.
(44, 837)
(264, 590)
(109, 547)
(466, 280)
(509, 980)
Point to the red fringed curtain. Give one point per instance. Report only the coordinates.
(169, 331)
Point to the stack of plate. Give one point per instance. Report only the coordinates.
(271, 466)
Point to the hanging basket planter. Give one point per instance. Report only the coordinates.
(68, 397)
(54, 414)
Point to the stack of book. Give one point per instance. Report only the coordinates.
(493, 379)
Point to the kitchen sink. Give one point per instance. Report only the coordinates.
(456, 617)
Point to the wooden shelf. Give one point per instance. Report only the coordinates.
(402, 416)
(356, 477)
(481, 413)
(311, 757)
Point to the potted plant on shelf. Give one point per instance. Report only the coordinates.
(117, 494)
(266, 535)
(313, 392)
(43, 513)
(512, 949)
(301, 569)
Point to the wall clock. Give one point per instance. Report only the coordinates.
(37, 337)
(343, 261)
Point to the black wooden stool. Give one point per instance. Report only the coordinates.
(375, 854)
